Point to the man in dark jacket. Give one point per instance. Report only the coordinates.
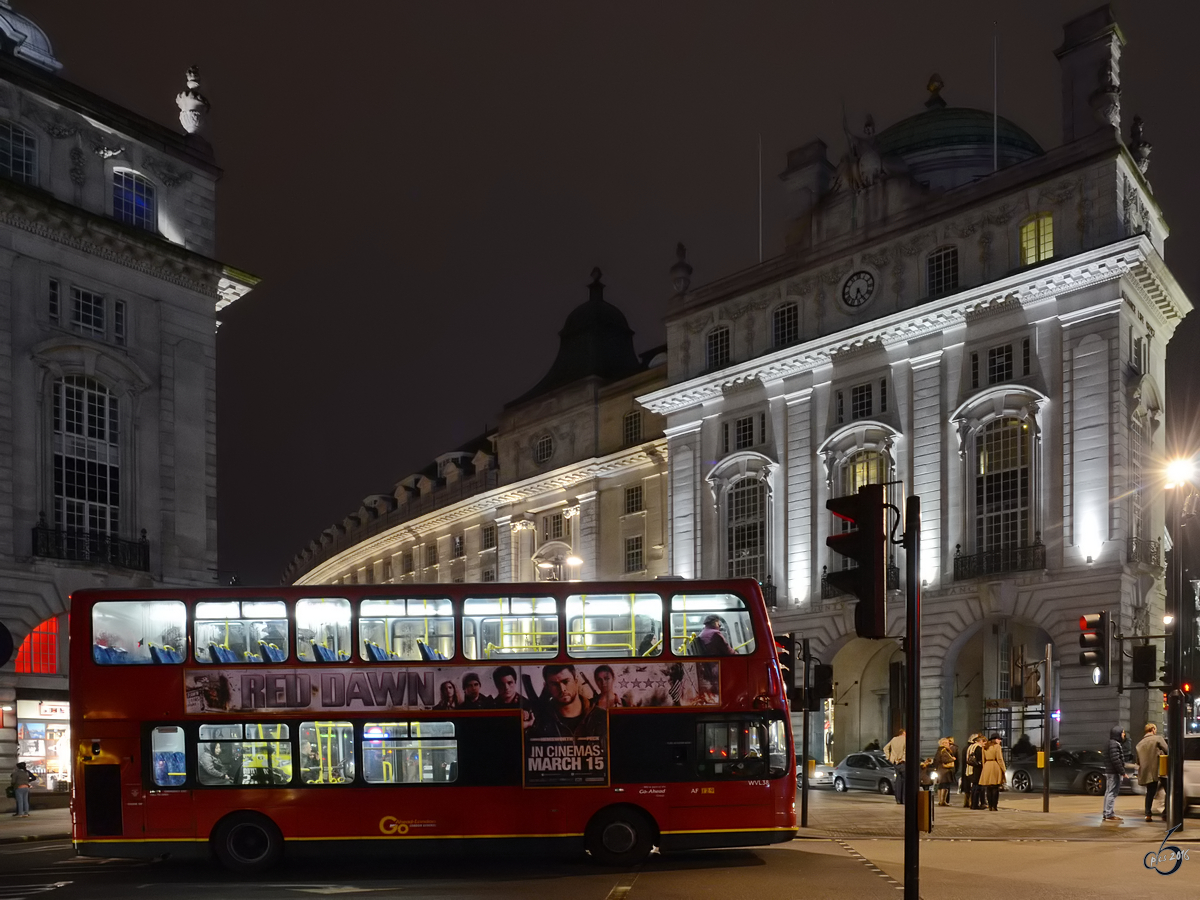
(1114, 768)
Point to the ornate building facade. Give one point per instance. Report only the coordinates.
(569, 485)
(109, 296)
(968, 317)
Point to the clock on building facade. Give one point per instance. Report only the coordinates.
(858, 289)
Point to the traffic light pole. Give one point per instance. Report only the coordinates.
(1047, 700)
(912, 747)
(804, 731)
(1175, 644)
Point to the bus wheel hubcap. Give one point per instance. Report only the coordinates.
(248, 843)
(619, 837)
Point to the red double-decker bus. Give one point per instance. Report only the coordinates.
(253, 722)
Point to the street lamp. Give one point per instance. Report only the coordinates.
(1180, 474)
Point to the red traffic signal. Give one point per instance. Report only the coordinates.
(867, 546)
(1096, 641)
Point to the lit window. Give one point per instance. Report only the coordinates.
(1002, 485)
(133, 200)
(544, 448)
(861, 468)
(18, 154)
(631, 428)
(746, 529)
(716, 351)
(87, 484)
(1000, 364)
(87, 313)
(633, 554)
(941, 271)
(39, 651)
(489, 537)
(411, 752)
(633, 499)
(785, 325)
(860, 401)
(1037, 239)
(555, 527)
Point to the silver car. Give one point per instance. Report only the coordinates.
(866, 770)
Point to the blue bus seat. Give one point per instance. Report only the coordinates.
(270, 652)
(322, 653)
(426, 653)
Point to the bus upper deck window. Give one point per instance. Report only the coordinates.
(323, 629)
(400, 629)
(126, 632)
(710, 625)
(510, 627)
(241, 631)
(621, 625)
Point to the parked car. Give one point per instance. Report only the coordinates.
(1079, 771)
(867, 770)
(1191, 769)
(822, 775)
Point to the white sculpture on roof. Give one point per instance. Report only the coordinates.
(192, 104)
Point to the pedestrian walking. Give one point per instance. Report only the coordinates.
(895, 751)
(1114, 763)
(22, 778)
(1148, 750)
(944, 762)
(991, 775)
(972, 792)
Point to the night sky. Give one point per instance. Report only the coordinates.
(424, 189)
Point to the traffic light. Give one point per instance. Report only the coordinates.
(785, 650)
(1095, 641)
(821, 686)
(867, 546)
(1168, 676)
(1145, 663)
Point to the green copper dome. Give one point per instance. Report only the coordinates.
(956, 127)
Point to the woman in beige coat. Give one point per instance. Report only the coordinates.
(992, 775)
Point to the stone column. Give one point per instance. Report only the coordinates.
(504, 542)
(588, 529)
(685, 495)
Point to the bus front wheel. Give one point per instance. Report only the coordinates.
(247, 842)
(620, 836)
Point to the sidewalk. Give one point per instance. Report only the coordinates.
(1019, 817)
(42, 825)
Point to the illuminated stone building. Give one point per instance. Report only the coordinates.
(984, 322)
(569, 485)
(110, 298)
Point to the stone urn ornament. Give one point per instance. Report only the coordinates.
(193, 105)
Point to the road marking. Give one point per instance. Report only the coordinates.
(622, 888)
(870, 865)
(20, 891)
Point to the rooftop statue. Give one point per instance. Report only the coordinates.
(863, 165)
(192, 104)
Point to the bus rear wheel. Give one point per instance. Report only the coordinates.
(247, 842)
(619, 836)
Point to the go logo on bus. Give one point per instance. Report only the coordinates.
(393, 826)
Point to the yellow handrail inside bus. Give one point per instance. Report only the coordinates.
(650, 650)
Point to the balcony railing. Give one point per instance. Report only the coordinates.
(1143, 551)
(91, 547)
(770, 594)
(1018, 558)
(829, 592)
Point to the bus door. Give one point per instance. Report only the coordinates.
(168, 802)
(111, 784)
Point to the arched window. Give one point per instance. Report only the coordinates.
(1037, 239)
(716, 348)
(785, 325)
(18, 154)
(746, 529)
(133, 200)
(87, 480)
(941, 271)
(1003, 485)
(38, 653)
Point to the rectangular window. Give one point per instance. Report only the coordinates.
(883, 395)
(1000, 364)
(786, 325)
(499, 628)
(860, 401)
(724, 437)
(133, 200)
(323, 629)
(406, 563)
(405, 629)
(431, 554)
(840, 408)
(385, 569)
(1037, 239)
(488, 536)
(87, 313)
(633, 499)
(743, 433)
(119, 321)
(243, 755)
(614, 625)
(18, 154)
(124, 631)
(717, 348)
(410, 752)
(941, 270)
(52, 300)
(167, 751)
(237, 631)
(1025, 356)
(326, 752)
(631, 428)
(554, 527)
(489, 575)
(974, 370)
(457, 547)
(633, 554)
